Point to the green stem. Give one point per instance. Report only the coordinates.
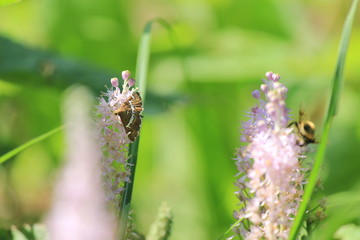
(142, 66)
(332, 109)
(126, 199)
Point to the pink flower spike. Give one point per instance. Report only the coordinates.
(112, 136)
(268, 166)
(79, 209)
(131, 82)
(125, 75)
(114, 82)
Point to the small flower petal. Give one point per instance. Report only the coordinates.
(125, 75)
(256, 94)
(131, 82)
(114, 82)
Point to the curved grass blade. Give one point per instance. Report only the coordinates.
(142, 67)
(21, 148)
(332, 109)
(143, 56)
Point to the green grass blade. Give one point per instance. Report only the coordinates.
(143, 57)
(332, 109)
(142, 66)
(126, 199)
(17, 150)
(339, 72)
(229, 230)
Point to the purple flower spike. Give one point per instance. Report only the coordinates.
(270, 177)
(114, 139)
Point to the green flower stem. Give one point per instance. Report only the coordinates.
(126, 199)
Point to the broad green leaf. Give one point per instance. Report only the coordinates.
(24, 65)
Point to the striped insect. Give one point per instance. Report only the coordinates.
(130, 115)
(305, 130)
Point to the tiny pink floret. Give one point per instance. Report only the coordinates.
(276, 77)
(125, 75)
(114, 82)
(269, 75)
(264, 88)
(131, 82)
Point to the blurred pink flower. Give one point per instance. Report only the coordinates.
(270, 178)
(79, 206)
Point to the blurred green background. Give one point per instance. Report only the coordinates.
(197, 97)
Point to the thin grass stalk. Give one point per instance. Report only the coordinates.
(24, 146)
(142, 66)
(230, 229)
(126, 199)
(332, 109)
(143, 56)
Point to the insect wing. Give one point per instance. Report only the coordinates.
(130, 115)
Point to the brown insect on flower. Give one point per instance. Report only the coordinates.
(305, 130)
(130, 115)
